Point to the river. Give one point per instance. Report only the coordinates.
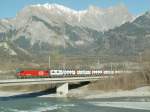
(124, 104)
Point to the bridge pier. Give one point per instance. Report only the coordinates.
(62, 90)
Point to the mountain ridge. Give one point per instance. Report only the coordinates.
(39, 31)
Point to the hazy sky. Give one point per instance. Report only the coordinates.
(9, 8)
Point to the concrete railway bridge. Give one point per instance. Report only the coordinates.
(62, 83)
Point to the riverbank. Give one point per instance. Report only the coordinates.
(85, 93)
(121, 85)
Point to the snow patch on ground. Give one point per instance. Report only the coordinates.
(7, 48)
(129, 105)
(49, 96)
(7, 94)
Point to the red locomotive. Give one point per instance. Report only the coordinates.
(33, 73)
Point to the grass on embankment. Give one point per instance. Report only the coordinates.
(122, 82)
(27, 88)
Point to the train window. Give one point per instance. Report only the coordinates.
(21, 71)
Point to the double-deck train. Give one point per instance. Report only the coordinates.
(53, 73)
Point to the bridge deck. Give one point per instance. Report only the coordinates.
(48, 80)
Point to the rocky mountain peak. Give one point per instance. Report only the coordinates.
(147, 14)
(96, 18)
(39, 29)
(46, 26)
(57, 7)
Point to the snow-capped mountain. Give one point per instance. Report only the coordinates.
(5, 25)
(50, 23)
(49, 26)
(95, 18)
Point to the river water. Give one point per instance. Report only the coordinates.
(125, 104)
